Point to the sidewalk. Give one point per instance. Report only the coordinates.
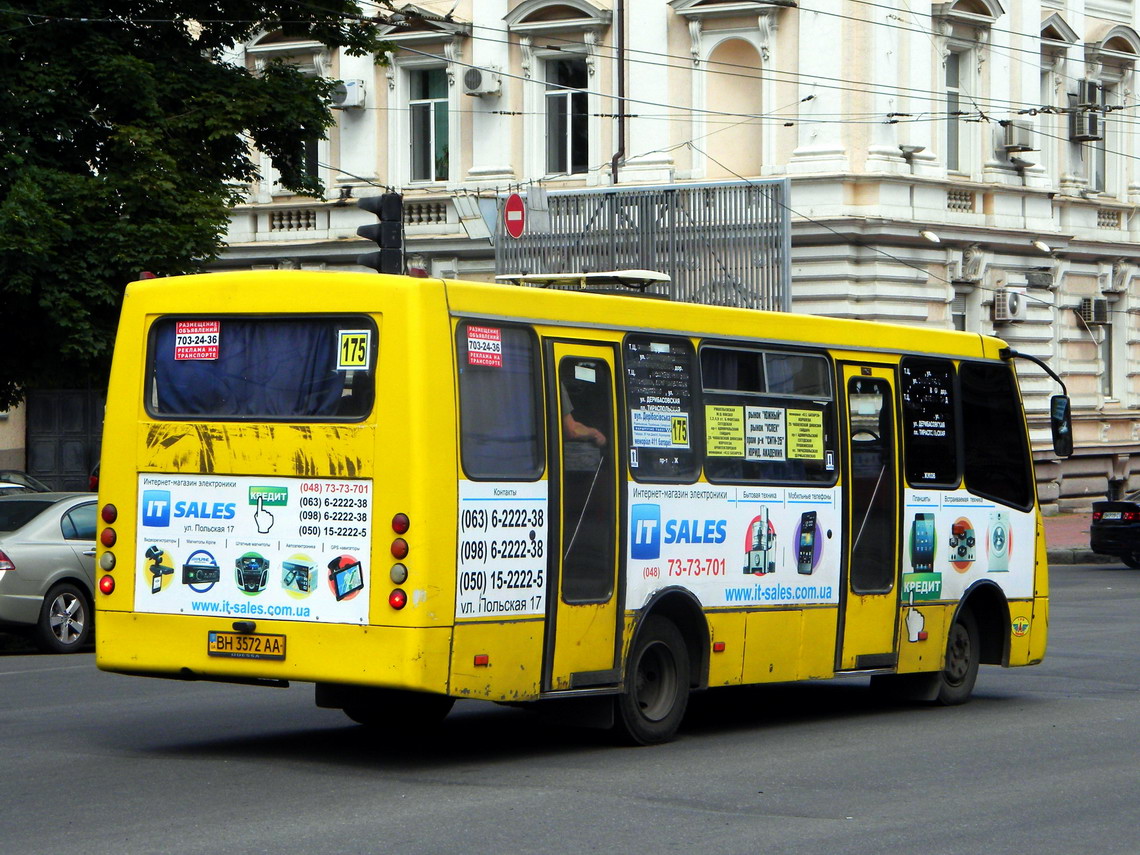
(1067, 537)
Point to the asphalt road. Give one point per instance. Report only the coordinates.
(1043, 760)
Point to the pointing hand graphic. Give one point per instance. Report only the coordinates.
(262, 518)
(915, 622)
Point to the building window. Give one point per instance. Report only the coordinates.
(953, 108)
(1106, 387)
(567, 119)
(428, 105)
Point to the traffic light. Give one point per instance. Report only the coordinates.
(388, 233)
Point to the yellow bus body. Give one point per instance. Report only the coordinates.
(408, 448)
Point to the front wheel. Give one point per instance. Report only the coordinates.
(65, 620)
(956, 679)
(657, 684)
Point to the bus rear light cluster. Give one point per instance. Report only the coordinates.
(109, 514)
(397, 599)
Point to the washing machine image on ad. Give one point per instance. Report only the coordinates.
(998, 542)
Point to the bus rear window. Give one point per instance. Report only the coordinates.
(307, 368)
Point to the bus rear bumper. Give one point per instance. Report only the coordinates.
(176, 646)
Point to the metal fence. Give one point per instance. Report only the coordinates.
(724, 243)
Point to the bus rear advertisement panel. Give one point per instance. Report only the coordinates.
(241, 546)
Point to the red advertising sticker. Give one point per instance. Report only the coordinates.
(485, 346)
(196, 339)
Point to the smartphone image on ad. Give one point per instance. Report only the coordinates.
(805, 559)
(922, 543)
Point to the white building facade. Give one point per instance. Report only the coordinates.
(967, 164)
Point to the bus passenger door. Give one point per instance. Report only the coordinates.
(582, 601)
(871, 532)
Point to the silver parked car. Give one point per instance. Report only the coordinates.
(47, 567)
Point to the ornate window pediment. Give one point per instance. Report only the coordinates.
(976, 13)
(308, 55)
(544, 17)
(1118, 46)
(701, 9)
(1056, 34)
(411, 23)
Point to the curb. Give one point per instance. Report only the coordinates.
(1080, 556)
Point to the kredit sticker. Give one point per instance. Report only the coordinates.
(197, 339)
(485, 346)
(354, 350)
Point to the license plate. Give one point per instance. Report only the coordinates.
(1110, 515)
(245, 645)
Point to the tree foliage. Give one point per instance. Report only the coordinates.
(125, 135)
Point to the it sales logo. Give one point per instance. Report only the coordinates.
(645, 532)
(156, 508)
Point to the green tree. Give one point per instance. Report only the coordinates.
(125, 136)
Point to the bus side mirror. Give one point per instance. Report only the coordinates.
(1061, 423)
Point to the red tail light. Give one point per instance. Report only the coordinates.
(6, 562)
(1097, 515)
(1131, 516)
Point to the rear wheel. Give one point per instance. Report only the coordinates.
(657, 684)
(65, 620)
(1132, 559)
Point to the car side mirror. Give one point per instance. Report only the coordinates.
(1061, 423)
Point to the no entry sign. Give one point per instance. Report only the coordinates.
(514, 215)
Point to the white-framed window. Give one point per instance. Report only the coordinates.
(566, 108)
(954, 109)
(428, 124)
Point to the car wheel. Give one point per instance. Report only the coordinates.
(657, 684)
(65, 620)
(1132, 559)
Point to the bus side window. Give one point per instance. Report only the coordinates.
(664, 422)
(769, 416)
(997, 466)
(930, 419)
(500, 402)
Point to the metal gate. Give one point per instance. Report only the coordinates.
(723, 243)
(63, 435)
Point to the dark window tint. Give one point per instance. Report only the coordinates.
(79, 523)
(993, 433)
(14, 515)
(872, 485)
(664, 422)
(930, 437)
(588, 511)
(500, 407)
(768, 416)
(268, 368)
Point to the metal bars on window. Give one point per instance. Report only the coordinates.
(724, 243)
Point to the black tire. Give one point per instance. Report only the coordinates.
(393, 708)
(65, 620)
(956, 679)
(657, 684)
(1132, 559)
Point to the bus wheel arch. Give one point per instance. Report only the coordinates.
(666, 659)
(987, 603)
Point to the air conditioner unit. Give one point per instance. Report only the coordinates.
(1010, 305)
(1094, 310)
(347, 93)
(1018, 136)
(1084, 125)
(482, 81)
(1085, 120)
